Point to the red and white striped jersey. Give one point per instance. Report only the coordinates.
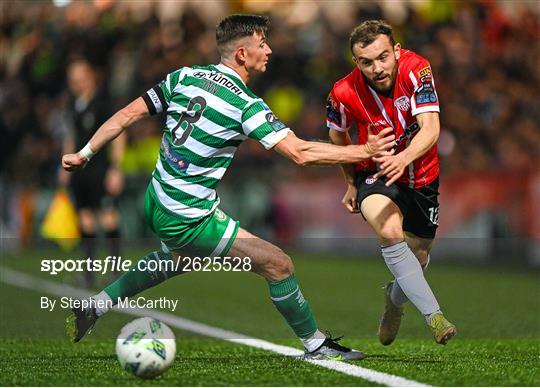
(414, 92)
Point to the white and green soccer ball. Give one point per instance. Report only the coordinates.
(146, 347)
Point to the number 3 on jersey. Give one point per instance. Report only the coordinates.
(192, 114)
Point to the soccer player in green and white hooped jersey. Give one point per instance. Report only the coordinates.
(210, 112)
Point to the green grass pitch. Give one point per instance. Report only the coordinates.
(497, 311)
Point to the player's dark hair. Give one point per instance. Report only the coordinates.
(238, 26)
(369, 30)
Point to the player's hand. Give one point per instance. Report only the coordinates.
(72, 162)
(381, 144)
(392, 166)
(349, 199)
(114, 181)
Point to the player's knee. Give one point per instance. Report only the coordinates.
(281, 266)
(391, 233)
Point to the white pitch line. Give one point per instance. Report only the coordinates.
(23, 280)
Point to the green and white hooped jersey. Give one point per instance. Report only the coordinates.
(210, 112)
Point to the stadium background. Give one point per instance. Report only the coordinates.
(485, 59)
(484, 56)
(483, 53)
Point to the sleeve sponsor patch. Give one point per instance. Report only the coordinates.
(426, 98)
(274, 122)
(271, 118)
(426, 71)
(426, 92)
(332, 111)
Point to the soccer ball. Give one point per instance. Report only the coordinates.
(145, 347)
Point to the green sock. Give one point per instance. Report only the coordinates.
(134, 281)
(290, 302)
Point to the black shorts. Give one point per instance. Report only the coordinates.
(88, 189)
(420, 207)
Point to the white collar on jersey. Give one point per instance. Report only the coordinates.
(228, 70)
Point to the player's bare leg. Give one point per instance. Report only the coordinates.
(277, 268)
(267, 260)
(386, 220)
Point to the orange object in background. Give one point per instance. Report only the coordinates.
(61, 224)
(26, 211)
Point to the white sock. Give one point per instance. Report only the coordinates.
(397, 296)
(103, 303)
(314, 342)
(407, 270)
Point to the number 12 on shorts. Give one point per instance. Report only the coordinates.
(434, 215)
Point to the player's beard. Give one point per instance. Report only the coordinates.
(383, 88)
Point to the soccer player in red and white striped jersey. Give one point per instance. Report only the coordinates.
(396, 194)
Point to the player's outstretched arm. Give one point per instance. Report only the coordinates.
(349, 199)
(307, 153)
(112, 128)
(343, 139)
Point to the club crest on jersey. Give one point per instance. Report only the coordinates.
(371, 180)
(402, 103)
(220, 216)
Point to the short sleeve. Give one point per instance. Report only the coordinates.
(261, 124)
(424, 97)
(158, 97)
(338, 116)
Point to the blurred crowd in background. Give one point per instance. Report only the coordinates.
(484, 55)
